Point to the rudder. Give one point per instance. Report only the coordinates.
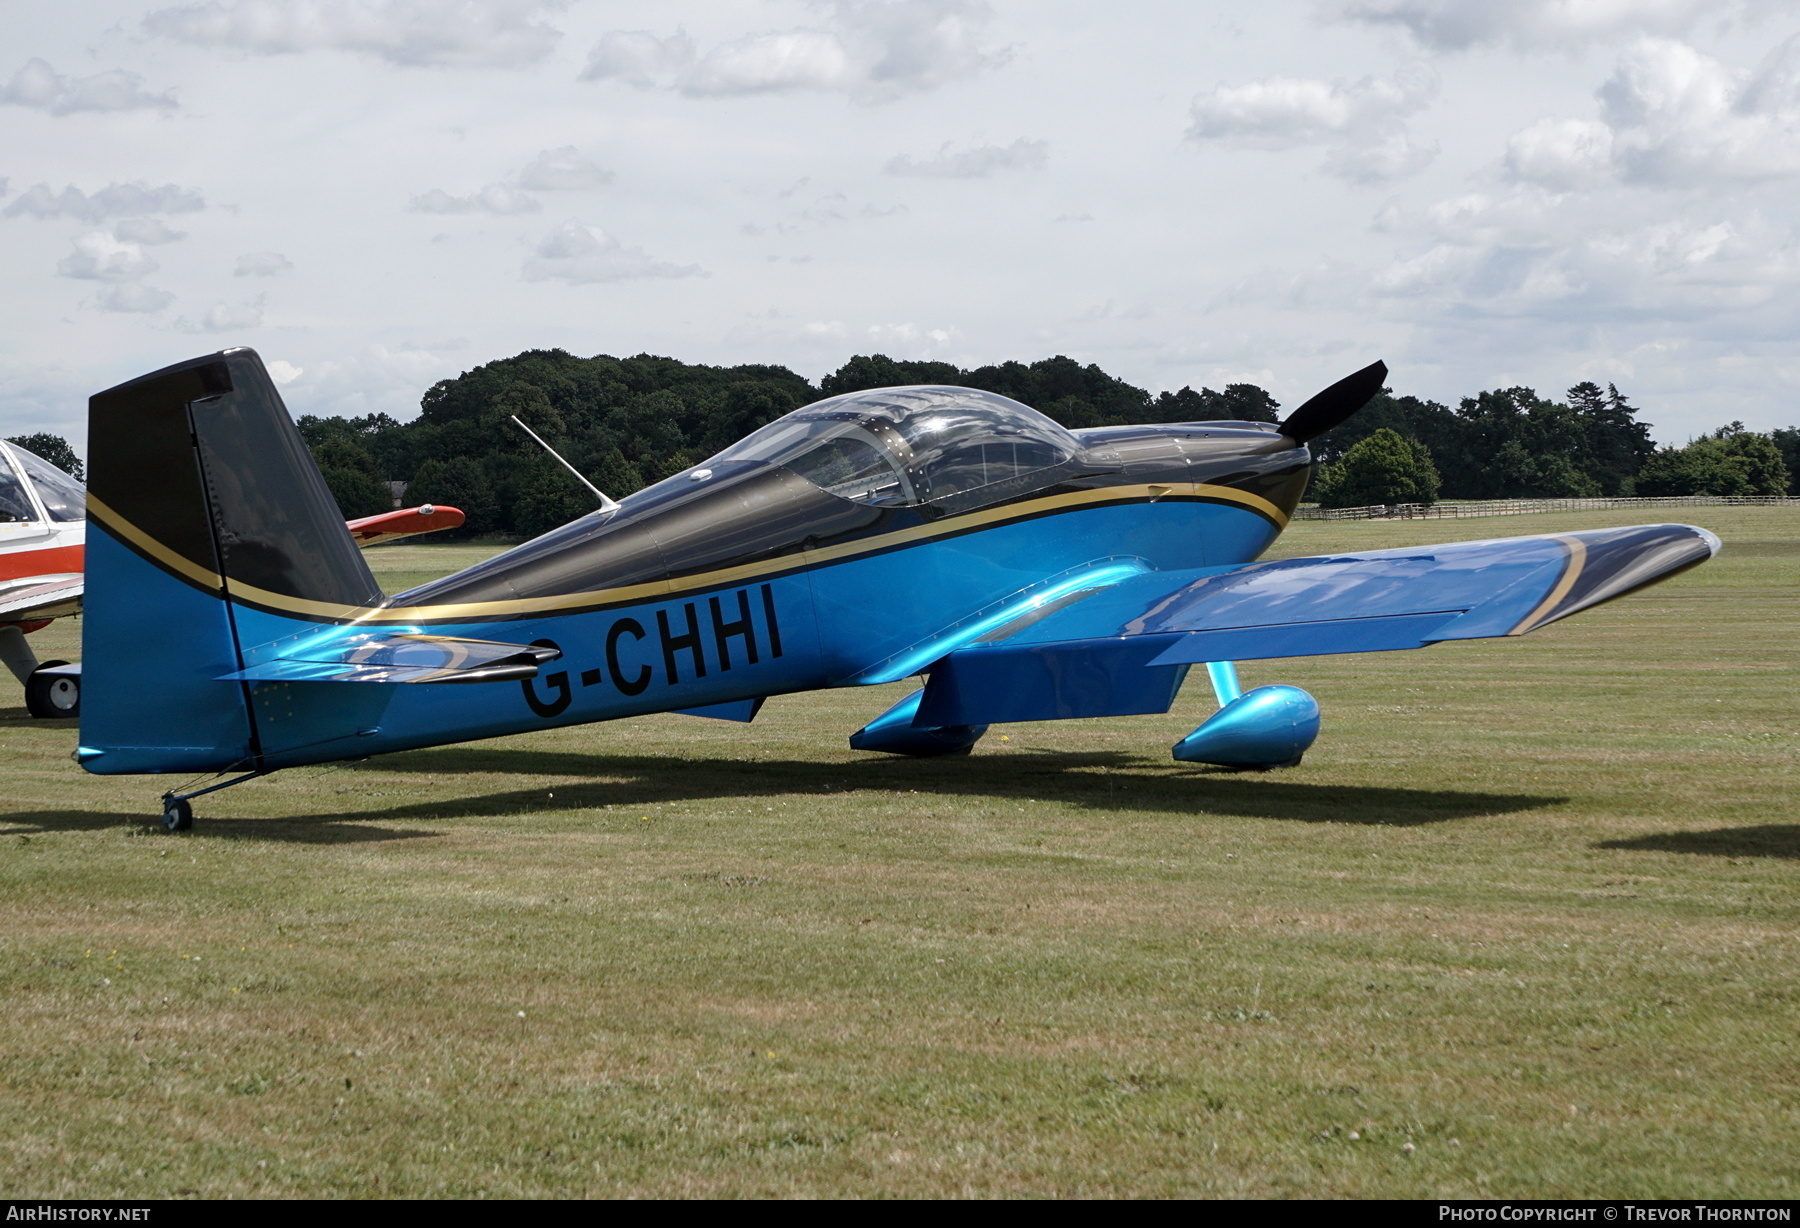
(201, 494)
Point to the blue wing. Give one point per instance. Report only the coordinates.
(1125, 648)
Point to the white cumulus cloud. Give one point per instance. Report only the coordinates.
(261, 264)
(767, 63)
(564, 169)
(976, 163)
(1562, 154)
(1285, 112)
(100, 256)
(496, 198)
(115, 200)
(580, 254)
(1361, 122)
(871, 49)
(39, 86)
(1671, 116)
(456, 33)
(1449, 25)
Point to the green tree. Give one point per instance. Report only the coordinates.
(745, 406)
(1238, 403)
(349, 471)
(1730, 461)
(383, 439)
(1615, 444)
(865, 371)
(1058, 387)
(1787, 440)
(1436, 426)
(1504, 443)
(1517, 445)
(615, 475)
(1385, 468)
(549, 500)
(459, 483)
(55, 449)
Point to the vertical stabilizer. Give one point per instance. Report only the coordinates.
(201, 495)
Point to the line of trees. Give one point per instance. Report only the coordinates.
(628, 422)
(1513, 444)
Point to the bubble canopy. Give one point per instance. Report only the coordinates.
(901, 447)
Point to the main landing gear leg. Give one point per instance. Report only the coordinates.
(15, 653)
(178, 815)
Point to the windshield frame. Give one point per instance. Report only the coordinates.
(920, 430)
(33, 468)
(13, 472)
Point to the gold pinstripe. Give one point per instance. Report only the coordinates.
(208, 578)
(626, 594)
(177, 563)
(1571, 573)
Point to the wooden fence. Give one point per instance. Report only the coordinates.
(1458, 509)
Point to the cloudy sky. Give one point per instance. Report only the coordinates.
(377, 194)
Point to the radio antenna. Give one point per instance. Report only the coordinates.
(606, 504)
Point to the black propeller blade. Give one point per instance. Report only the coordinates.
(1326, 409)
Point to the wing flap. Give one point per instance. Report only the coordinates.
(1395, 633)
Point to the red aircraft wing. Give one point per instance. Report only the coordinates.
(391, 526)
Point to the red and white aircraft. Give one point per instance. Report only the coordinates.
(43, 529)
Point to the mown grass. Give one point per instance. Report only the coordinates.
(1524, 923)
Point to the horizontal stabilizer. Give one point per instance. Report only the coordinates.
(35, 597)
(405, 657)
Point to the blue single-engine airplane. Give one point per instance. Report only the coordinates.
(1026, 571)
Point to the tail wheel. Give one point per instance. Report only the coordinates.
(53, 696)
(177, 815)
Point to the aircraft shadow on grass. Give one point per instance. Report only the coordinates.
(1095, 780)
(22, 718)
(1781, 840)
(299, 829)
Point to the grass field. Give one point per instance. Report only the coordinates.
(1524, 923)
